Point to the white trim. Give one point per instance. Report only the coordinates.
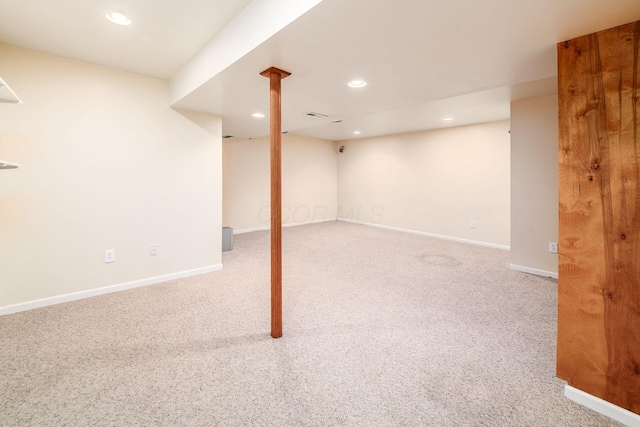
(58, 299)
(250, 230)
(292, 224)
(422, 233)
(535, 271)
(603, 407)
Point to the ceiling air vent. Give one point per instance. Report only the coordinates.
(316, 115)
(227, 136)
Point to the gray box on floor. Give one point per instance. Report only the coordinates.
(227, 239)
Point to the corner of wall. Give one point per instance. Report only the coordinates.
(87, 185)
(534, 184)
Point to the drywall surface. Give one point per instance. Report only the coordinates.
(105, 164)
(257, 22)
(435, 182)
(534, 183)
(309, 174)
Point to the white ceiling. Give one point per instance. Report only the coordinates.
(164, 34)
(423, 59)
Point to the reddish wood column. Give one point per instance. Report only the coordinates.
(275, 76)
(599, 223)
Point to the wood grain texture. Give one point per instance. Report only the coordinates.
(275, 76)
(599, 215)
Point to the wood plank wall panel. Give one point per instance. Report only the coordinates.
(599, 212)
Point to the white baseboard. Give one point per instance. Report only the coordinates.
(535, 271)
(422, 233)
(292, 224)
(251, 230)
(58, 299)
(603, 407)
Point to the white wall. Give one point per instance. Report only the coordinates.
(106, 164)
(534, 184)
(309, 188)
(433, 182)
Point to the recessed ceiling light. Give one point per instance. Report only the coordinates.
(448, 119)
(118, 18)
(357, 83)
(356, 132)
(258, 115)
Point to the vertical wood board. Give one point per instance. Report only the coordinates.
(599, 215)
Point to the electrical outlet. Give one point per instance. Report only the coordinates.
(553, 247)
(472, 223)
(153, 249)
(110, 255)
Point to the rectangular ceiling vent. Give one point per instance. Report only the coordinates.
(316, 115)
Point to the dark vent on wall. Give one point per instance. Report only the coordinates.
(317, 115)
(227, 136)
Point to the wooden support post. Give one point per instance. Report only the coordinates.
(275, 75)
(598, 347)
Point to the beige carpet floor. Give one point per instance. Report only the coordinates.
(380, 329)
